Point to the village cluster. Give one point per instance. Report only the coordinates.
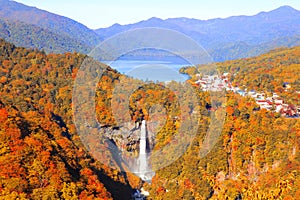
(274, 103)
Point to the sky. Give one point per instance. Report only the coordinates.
(103, 13)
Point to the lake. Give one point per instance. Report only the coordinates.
(154, 70)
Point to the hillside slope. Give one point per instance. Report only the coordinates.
(31, 36)
(60, 25)
(257, 154)
(41, 155)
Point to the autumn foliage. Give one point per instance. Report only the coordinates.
(42, 157)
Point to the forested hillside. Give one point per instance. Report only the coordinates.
(41, 155)
(269, 73)
(31, 36)
(256, 157)
(31, 27)
(14, 11)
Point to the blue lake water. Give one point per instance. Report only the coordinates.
(154, 70)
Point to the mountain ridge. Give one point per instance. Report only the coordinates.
(15, 11)
(212, 34)
(224, 38)
(32, 36)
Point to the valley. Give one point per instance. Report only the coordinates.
(73, 126)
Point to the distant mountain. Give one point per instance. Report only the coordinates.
(233, 33)
(59, 25)
(225, 39)
(31, 36)
(244, 50)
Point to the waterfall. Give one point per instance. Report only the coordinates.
(142, 155)
(143, 138)
(143, 170)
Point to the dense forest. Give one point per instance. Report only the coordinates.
(256, 155)
(32, 36)
(62, 26)
(41, 155)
